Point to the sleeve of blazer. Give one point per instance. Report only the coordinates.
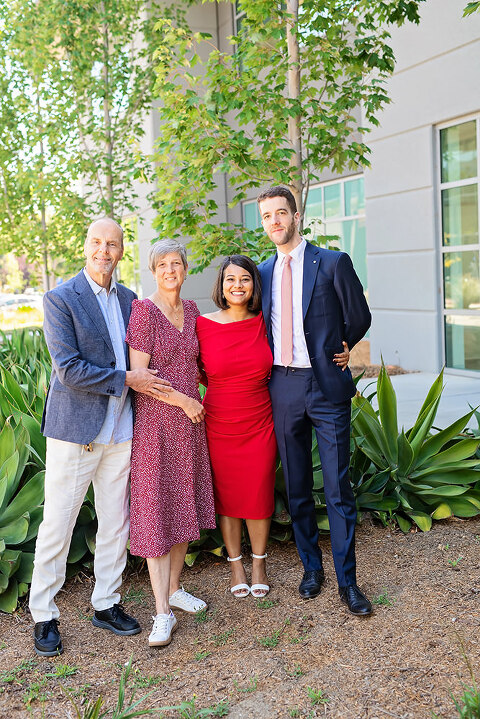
(72, 369)
(356, 315)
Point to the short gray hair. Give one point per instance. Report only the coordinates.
(164, 247)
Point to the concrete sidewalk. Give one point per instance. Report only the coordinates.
(411, 390)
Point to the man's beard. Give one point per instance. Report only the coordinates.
(289, 233)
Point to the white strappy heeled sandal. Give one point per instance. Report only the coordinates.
(259, 591)
(242, 590)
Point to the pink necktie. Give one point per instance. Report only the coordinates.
(287, 314)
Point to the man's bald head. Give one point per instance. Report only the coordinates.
(102, 225)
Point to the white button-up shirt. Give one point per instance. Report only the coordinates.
(118, 424)
(300, 351)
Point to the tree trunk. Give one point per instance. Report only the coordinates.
(294, 123)
(107, 121)
(43, 213)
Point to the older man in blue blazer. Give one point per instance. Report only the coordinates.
(314, 307)
(88, 424)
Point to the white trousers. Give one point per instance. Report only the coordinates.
(69, 471)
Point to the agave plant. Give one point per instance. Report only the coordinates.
(415, 475)
(24, 370)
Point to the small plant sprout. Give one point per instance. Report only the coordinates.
(221, 639)
(199, 656)
(271, 640)
(266, 603)
(455, 562)
(251, 686)
(384, 600)
(317, 696)
(295, 672)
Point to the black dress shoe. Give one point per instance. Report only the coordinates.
(311, 583)
(356, 600)
(48, 642)
(116, 620)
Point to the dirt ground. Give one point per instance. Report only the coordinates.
(283, 657)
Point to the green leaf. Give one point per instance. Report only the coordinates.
(459, 451)
(434, 444)
(443, 511)
(190, 558)
(464, 506)
(16, 531)
(25, 569)
(405, 454)
(448, 490)
(9, 598)
(422, 520)
(403, 523)
(28, 498)
(10, 561)
(387, 405)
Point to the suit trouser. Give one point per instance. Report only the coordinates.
(298, 405)
(69, 471)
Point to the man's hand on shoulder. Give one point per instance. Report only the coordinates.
(145, 380)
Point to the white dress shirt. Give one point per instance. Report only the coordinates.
(300, 351)
(118, 424)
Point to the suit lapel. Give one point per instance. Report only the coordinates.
(267, 277)
(89, 302)
(311, 262)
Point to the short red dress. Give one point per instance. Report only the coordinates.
(237, 361)
(171, 483)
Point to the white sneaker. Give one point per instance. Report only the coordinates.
(163, 627)
(186, 602)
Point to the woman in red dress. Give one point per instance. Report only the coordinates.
(236, 359)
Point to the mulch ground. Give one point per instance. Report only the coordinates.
(283, 657)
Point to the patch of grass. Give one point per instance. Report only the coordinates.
(384, 600)
(11, 676)
(63, 670)
(204, 616)
(317, 696)
(84, 617)
(135, 595)
(271, 640)
(295, 672)
(294, 712)
(144, 682)
(188, 710)
(455, 562)
(221, 639)
(266, 603)
(301, 638)
(251, 686)
(199, 656)
(35, 692)
(3, 645)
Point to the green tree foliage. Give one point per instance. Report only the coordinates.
(76, 81)
(282, 105)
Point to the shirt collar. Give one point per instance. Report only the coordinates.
(296, 254)
(96, 287)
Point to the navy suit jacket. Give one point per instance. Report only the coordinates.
(334, 309)
(84, 375)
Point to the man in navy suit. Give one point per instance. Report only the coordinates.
(313, 303)
(88, 424)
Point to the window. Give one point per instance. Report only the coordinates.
(459, 196)
(334, 208)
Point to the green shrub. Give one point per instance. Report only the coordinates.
(405, 476)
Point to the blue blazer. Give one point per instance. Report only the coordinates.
(83, 361)
(334, 309)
